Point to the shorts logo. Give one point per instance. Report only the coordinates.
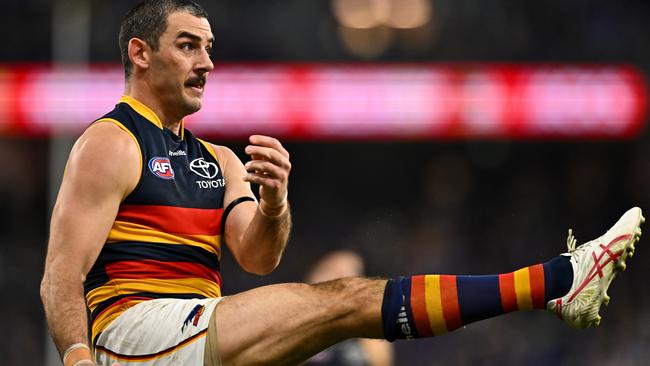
(161, 168)
(194, 316)
(204, 168)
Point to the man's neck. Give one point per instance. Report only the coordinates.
(169, 122)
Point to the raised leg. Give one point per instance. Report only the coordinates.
(288, 323)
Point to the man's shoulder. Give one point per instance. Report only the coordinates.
(222, 151)
(115, 126)
(107, 132)
(105, 150)
(120, 113)
(113, 129)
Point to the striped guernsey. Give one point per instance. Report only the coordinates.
(166, 239)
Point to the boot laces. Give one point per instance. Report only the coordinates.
(571, 242)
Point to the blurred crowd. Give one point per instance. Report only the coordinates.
(297, 30)
(408, 208)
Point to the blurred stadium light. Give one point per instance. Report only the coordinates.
(355, 101)
(372, 13)
(367, 27)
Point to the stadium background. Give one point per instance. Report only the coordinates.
(470, 204)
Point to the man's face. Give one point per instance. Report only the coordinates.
(180, 67)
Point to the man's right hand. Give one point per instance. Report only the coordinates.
(270, 168)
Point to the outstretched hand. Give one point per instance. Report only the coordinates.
(269, 167)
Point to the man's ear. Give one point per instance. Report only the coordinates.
(139, 53)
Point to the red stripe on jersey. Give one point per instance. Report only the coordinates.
(174, 220)
(143, 269)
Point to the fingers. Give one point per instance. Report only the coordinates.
(269, 167)
(269, 142)
(268, 154)
(266, 169)
(270, 160)
(263, 181)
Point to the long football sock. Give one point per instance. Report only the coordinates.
(431, 305)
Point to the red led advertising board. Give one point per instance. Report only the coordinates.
(356, 101)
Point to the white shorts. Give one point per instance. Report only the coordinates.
(158, 332)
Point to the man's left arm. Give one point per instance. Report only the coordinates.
(257, 234)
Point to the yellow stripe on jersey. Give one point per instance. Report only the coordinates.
(126, 231)
(209, 148)
(125, 286)
(147, 113)
(142, 110)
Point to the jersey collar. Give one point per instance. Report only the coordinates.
(147, 113)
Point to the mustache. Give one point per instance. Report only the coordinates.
(197, 80)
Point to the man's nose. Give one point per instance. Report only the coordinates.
(205, 63)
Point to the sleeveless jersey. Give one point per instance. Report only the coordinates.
(166, 239)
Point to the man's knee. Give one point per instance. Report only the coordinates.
(351, 294)
(355, 306)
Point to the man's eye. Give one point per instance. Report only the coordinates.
(209, 51)
(186, 46)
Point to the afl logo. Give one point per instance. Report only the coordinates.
(161, 168)
(204, 168)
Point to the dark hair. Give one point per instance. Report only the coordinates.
(148, 21)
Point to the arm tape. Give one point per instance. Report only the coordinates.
(226, 212)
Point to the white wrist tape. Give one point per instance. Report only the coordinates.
(72, 348)
(283, 204)
(83, 362)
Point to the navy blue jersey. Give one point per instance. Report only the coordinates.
(166, 239)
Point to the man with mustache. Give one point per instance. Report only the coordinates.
(139, 233)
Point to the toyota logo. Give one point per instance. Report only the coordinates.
(204, 168)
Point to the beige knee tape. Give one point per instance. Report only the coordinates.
(211, 354)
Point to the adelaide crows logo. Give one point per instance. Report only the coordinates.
(161, 168)
(193, 317)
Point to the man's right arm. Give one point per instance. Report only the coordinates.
(103, 168)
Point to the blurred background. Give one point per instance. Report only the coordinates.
(430, 136)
